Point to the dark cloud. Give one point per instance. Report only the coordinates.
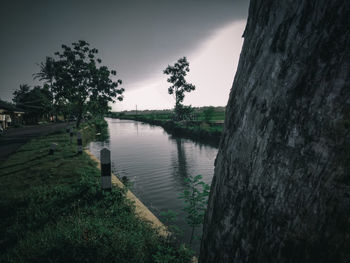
(133, 36)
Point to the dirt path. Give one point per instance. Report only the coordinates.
(12, 139)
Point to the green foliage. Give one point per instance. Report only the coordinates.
(169, 217)
(177, 79)
(195, 198)
(183, 112)
(208, 113)
(170, 251)
(53, 210)
(167, 254)
(35, 102)
(101, 129)
(79, 82)
(99, 123)
(198, 112)
(47, 74)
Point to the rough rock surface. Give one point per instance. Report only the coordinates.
(281, 190)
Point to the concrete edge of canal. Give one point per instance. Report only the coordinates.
(141, 210)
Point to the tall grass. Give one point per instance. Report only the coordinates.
(53, 210)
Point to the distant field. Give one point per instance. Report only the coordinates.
(218, 114)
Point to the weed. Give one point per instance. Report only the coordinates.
(196, 200)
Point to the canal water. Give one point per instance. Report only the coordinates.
(156, 163)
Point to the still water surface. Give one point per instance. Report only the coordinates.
(156, 163)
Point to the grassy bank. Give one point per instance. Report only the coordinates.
(217, 114)
(198, 129)
(52, 210)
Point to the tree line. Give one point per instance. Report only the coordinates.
(74, 84)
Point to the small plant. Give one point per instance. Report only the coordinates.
(196, 198)
(169, 218)
(171, 250)
(167, 254)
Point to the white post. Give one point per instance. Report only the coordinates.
(106, 169)
(80, 143)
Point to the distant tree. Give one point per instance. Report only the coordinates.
(19, 95)
(47, 74)
(47, 71)
(179, 85)
(78, 80)
(35, 102)
(208, 113)
(184, 112)
(47, 99)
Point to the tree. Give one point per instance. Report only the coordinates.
(19, 95)
(47, 74)
(78, 79)
(280, 191)
(98, 106)
(36, 102)
(177, 78)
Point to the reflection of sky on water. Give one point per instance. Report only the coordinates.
(156, 163)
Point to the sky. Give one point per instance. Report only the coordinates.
(138, 38)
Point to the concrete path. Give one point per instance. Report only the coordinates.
(12, 139)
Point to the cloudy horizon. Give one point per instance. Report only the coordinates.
(137, 38)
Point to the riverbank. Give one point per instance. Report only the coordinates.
(140, 209)
(52, 208)
(196, 130)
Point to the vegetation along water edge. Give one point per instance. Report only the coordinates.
(52, 207)
(205, 124)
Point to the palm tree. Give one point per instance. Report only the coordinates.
(47, 70)
(47, 74)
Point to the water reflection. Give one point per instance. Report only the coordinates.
(181, 156)
(137, 127)
(179, 161)
(157, 163)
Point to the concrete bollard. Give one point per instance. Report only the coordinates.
(52, 148)
(106, 169)
(71, 134)
(80, 143)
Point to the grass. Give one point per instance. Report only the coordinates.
(218, 114)
(198, 128)
(53, 210)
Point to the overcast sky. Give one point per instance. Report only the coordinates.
(138, 38)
